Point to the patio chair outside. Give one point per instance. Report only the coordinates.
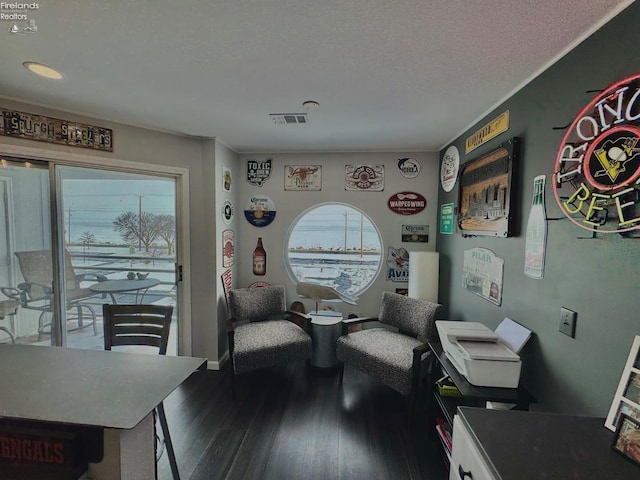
(36, 292)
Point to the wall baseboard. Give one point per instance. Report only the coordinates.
(216, 365)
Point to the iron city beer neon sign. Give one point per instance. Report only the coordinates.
(597, 170)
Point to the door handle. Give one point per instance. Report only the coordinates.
(462, 474)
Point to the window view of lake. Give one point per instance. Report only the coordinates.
(335, 245)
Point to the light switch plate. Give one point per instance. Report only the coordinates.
(568, 322)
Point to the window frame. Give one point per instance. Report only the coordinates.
(301, 215)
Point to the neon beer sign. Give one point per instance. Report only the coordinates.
(597, 170)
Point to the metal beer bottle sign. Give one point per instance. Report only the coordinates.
(597, 169)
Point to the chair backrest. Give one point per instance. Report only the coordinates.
(411, 316)
(37, 267)
(137, 325)
(256, 304)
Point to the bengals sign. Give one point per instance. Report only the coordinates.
(597, 169)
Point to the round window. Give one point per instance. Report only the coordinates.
(336, 245)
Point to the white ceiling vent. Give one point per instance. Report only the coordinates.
(289, 118)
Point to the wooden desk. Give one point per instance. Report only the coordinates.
(115, 391)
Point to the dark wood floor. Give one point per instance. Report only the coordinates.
(296, 423)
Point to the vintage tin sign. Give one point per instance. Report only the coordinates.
(227, 212)
(226, 179)
(260, 211)
(449, 168)
(364, 178)
(407, 203)
(409, 167)
(258, 171)
(53, 130)
(415, 233)
(491, 130)
(482, 274)
(228, 248)
(397, 265)
(446, 218)
(305, 178)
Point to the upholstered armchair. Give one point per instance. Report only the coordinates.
(262, 333)
(396, 357)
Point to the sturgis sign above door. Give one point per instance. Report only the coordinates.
(597, 170)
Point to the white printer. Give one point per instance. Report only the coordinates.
(477, 353)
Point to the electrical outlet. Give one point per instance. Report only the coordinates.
(568, 322)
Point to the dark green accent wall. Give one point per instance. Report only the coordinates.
(598, 278)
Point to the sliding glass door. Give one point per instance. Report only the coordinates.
(113, 240)
(119, 236)
(26, 303)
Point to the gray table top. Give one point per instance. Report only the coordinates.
(537, 446)
(123, 285)
(87, 387)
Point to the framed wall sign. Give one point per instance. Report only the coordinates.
(53, 130)
(627, 439)
(627, 398)
(485, 192)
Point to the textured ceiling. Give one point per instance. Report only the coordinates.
(388, 74)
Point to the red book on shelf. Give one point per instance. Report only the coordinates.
(444, 434)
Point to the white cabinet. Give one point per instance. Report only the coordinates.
(466, 460)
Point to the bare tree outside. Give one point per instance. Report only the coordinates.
(146, 229)
(167, 230)
(87, 238)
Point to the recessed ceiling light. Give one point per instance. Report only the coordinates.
(42, 70)
(310, 105)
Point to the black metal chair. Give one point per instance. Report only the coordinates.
(142, 325)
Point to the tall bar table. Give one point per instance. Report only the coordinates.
(114, 393)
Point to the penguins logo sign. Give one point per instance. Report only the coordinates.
(597, 170)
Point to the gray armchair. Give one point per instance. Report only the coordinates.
(396, 359)
(262, 333)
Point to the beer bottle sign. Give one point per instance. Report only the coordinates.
(536, 237)
(259, 259)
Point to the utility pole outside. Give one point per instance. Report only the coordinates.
(139, 221)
